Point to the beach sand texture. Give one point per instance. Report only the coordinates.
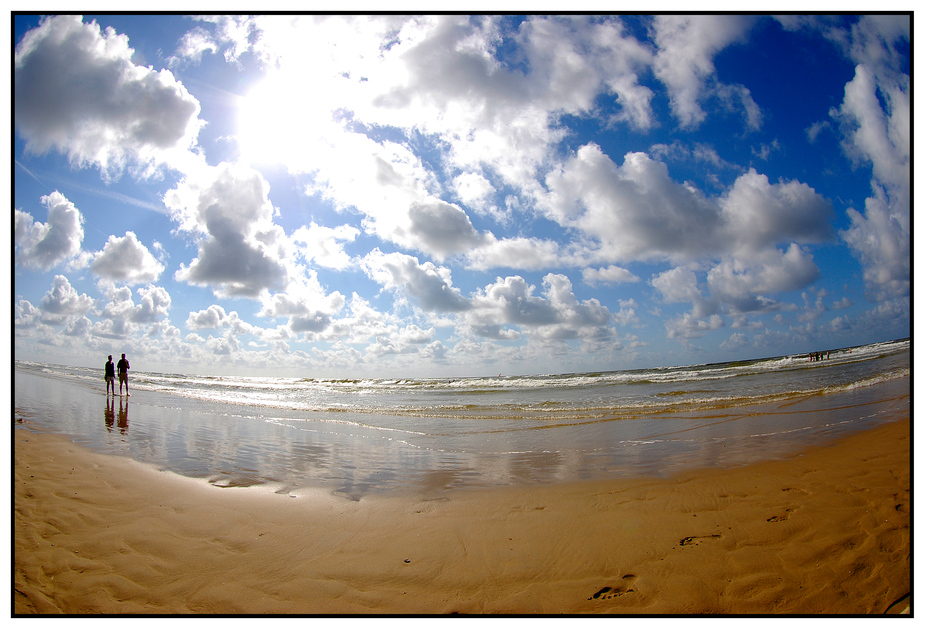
(823, 532)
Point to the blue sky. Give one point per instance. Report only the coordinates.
(335, 196)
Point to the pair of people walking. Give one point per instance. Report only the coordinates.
(110, 377)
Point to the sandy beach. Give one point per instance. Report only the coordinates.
(824, 532)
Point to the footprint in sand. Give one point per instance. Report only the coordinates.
(780, 518)
(617, 590)
(695, 540)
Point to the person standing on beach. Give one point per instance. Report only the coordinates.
(110, 377)
(123, 376)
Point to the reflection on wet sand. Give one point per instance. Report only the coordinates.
(109, 415)
(123, 417)
(354, 456)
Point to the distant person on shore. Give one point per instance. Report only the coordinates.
(123, 375)
(110, 377)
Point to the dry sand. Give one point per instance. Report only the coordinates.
(825, 532)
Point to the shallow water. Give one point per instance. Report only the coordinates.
(354, 437)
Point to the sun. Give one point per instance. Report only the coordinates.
(279, 119)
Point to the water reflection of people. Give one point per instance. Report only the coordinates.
(110, 416)
(123, 417)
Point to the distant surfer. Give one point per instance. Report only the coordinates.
(110, 377)
(123, 376)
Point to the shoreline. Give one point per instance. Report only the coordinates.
(354, 459)
(826, 531)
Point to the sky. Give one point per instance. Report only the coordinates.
(455, 195)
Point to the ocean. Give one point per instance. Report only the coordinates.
(354, 437)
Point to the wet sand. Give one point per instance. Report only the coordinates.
(824, 532)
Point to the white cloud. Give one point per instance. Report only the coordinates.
(241, 251)
(555, 315)
(122, 317)
(63, 301)
(684, 61)
(677, 285)
(125, 259)
(27, 316)
(475, 191)
(210, 318)
(746, 288)
(323, 245)
(155, 304)
(636, 211)
(610, 275)
(77, 90)
(882, 238)
(45, 245)
(305, 303)
(440, 76)
(515, 253)
(432, 286)
(627, 313)
(406, 340)
(758, 214)
(192, 45)
(442, 229)
(689, 326)
(214, 317)
(875, 122)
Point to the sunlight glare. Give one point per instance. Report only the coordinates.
(279, 120)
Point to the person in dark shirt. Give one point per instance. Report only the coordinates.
(123, 375)
(110, 377)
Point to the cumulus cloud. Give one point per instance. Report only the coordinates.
(389, 185)
(123, 317)
(678, 285)
(126, 259)
(875, 124)
(241, 251)
(515, 253)
(75, 89)
(748, 288)
(26, 315)
(610, 275)
(444, 78)
(324, 245)
(735, 287)
(406, 340)
(45, 245)
(305, 303)
(430, 285)
(476, 191)
(442, 228)
(63, 301)
(155, 304)
(637, 212)
(757, 214)
(881, 236)
(689, 326)
(215, 317)
(556, 314)
(210, 318)
(684, 61)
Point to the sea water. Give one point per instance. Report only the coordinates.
(356, 436)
